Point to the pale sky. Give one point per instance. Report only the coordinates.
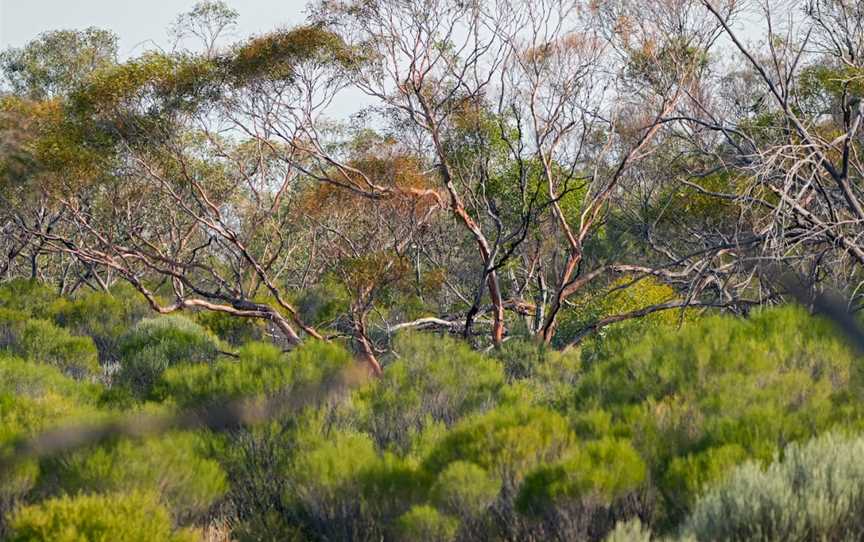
(135, 21)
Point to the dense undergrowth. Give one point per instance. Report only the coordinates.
(717, 428)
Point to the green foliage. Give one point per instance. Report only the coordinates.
(508, 442)
(814, 492)
(260, 368)
(464, 489)
(43, 342)
(598, 472)
(135, 517)
(103, 316)
(435, 380)
(275, 55)
(425, 524)
(57, 62)
(155, 344)
(30, 297)
(171, 467)
(233, 330)
(721, 390)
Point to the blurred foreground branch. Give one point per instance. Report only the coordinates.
(216, 417)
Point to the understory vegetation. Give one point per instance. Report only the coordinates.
(720, 428)
(437, 271)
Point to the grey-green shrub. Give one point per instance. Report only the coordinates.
(815, 492)
(629, 531)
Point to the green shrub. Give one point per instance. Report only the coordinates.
(465, 490)
(425, 524)
(507, 443)
(103, 316)
(815, 492)
(96, 518)
(599, 472)
(231, 329)
(436, 379)
(326, 484)
(31, 297)
(43, 342)
(687, 476)
(155, 344)
(33, 398)
(739, 387)
(261, 368)
(171, 466)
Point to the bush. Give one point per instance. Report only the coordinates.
(42, 341)
(581, 496)
(31, 297)
(629, 531)
(425, 524)
(720, 391)
(231, 329)
(135, 517)
(260, 369)
(171, 467)
(815, 492)
(103, 316)
(598, 472)
(34, 397)
(436, 379)
(155, 344)
(507, 443)
(465, 490)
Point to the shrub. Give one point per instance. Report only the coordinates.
(425, 524)
(436, 379)
(103, 316)
(581, 496)
(231, 329)
(325, 482)
(507, 443)
(629, 531)
(155, 344)
(96, 518)
(465, 490)
(815, 492)
(599, 471)
(170, 466)
(42, 341)
(34, 397)
(30, 297)
(260, 369)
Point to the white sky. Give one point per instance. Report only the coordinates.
(135, 21)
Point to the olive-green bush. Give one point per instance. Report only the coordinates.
(435, 379)
(155, 344)
(172, 467)
(135, 517)
(41, 341)
(102, 316)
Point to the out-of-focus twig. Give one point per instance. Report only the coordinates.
(214, 417)
(828, 305)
